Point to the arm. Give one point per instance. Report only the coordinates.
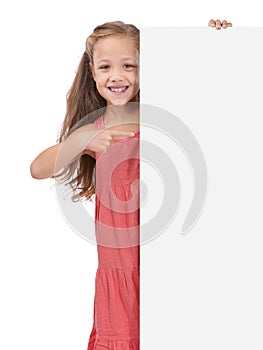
(54, 158)
(84, 140)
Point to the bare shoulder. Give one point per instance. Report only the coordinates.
(89, 126)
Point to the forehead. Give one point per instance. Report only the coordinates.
(115, 47)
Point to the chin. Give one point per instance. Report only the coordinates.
(121, 103)
(117, 103)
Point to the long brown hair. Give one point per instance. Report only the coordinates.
(85, 103)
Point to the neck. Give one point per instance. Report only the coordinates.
(128, 113)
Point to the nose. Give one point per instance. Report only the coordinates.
(115, 78)
(116, 75)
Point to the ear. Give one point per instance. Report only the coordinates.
(92, 71)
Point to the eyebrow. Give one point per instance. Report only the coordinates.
(124, 59)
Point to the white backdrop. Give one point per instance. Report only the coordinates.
(47, 271)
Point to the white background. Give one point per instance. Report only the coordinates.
(47, 271)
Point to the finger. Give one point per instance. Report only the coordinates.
(107, 147)
(212, 23)
(117, 133)
(224, 24)
(229, 24)
(218, 24)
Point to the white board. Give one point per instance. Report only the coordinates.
(203, 290)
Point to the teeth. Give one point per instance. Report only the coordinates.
(118, 89)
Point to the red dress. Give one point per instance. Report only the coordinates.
(117, 221)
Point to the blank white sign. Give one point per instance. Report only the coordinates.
(203, 290)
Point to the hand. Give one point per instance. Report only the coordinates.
(218, 25)
(102, 140)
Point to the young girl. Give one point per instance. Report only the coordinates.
(101, 131)
(106, 83)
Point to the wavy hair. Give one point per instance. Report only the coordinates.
(85, 105)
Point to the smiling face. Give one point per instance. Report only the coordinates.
(115, 69)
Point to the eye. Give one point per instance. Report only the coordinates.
(129, 65)
(104, 67)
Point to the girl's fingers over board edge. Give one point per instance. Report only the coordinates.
(218, 24)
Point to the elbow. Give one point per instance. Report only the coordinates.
(35, 171)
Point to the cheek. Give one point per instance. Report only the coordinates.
(135, 78)
(98, 86)
(100, 80)
(137, 81)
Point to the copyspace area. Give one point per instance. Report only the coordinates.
(203, 290)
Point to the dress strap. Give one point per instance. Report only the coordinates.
(98, 123)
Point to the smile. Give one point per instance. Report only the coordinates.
(118, 89)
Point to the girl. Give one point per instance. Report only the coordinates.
(105, 93)
(106, 83)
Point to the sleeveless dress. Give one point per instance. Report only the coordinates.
(117, 220)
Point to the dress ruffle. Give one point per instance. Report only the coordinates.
(120, 344)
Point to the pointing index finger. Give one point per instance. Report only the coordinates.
(118, 133)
